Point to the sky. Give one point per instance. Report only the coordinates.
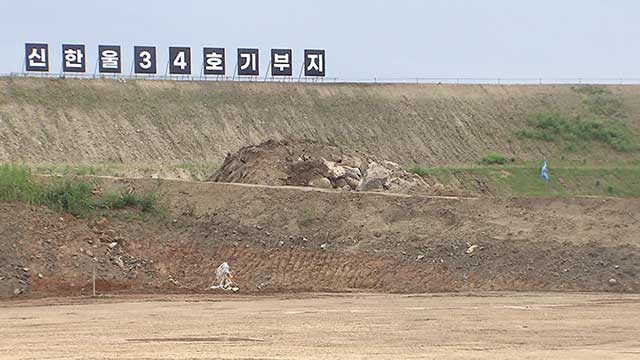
(363, 39)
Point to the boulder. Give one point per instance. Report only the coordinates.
(352, 183)
(321, 182)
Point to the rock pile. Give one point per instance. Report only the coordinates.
(321, 165)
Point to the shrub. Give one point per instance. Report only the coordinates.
(69, 195)
(492, 159)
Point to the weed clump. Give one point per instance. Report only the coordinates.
(493, 159)
(68, 194)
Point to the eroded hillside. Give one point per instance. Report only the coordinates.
(159, 122)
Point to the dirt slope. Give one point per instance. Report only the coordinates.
(155, 122)
(290, 239)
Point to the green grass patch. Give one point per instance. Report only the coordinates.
(523, 179)
(69, 194)
(493, 159)
(17, 184)
(578, 131)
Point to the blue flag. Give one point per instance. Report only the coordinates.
(543, 172)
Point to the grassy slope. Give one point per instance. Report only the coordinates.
(154, 122)
(144, 128)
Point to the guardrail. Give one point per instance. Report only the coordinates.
(374, 80)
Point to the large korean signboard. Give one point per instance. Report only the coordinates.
(145, 60)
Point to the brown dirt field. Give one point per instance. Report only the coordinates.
(273, 237)
(320, 326)
(159, 122)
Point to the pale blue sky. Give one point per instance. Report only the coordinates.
(363, 38)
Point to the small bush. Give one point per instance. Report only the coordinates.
(69, 195)
(493, 159)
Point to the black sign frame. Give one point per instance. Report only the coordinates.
(28, 51)
(254, 57)
(174, 52)
(214, 50)
(102, 59)
(72, 68)
(152, 60)
(277, 70)
(321, 68)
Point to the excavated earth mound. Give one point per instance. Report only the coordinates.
(288, 239)
(320, 165)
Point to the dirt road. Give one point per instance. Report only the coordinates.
(323, 326)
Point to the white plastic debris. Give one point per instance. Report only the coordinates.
(224, 279)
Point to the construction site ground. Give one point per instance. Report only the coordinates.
(325, 326)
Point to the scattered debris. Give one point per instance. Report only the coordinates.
(471, 249)
(224, 277)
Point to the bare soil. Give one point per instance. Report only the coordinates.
(321, 326)
(290, 239)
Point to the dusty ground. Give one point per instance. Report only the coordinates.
(319, 326)
(286, 239)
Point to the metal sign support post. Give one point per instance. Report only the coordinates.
(235, 69)
(266, 73)
(300, 73)
(166, 70)
(95, 69)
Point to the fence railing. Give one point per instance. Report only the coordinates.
(374, 80)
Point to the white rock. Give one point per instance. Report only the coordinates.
(118, 261)
(321, 182)
(471, 249)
